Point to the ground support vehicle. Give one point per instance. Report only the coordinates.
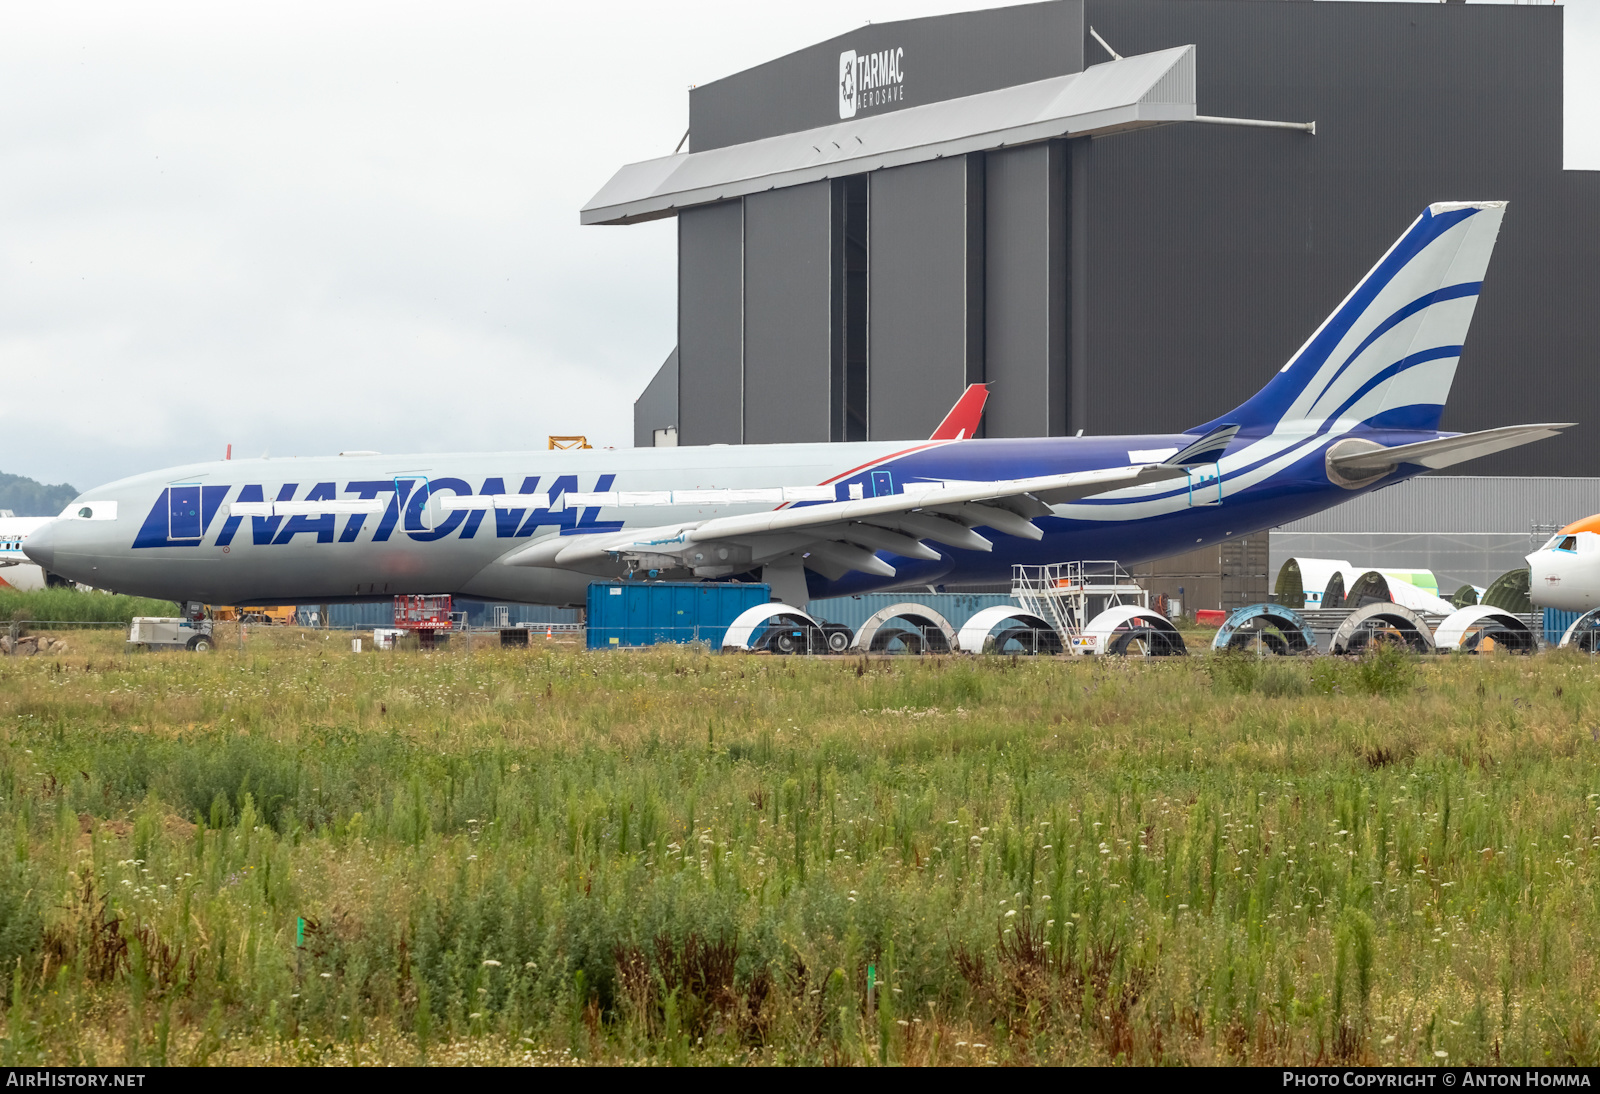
(151, 632)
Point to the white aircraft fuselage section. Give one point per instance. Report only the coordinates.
(1565, 573)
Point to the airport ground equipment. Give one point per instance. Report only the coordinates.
(1382, 623)
(932, 633)
(1130, 629)
(1266, 628)
(1070, 594)
(568, 443)
(275, 615)
(1033, 633)
(151, 632)
(1584, 633)
(425, 616)
(422, 613)
(646, 613)
(1480, 628)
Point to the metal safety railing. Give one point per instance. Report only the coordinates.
(1067, 595)
(26, 637)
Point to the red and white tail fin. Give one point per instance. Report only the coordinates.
(962, 421)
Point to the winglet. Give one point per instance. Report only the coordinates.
(962, 421)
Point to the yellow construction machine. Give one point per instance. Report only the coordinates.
(281, 615)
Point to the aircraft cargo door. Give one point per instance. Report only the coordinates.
(184, 513)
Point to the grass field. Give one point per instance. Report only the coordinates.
(66, 605)
(554, 856)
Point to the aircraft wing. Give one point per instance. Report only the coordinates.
(835, 537)
(1447, 450)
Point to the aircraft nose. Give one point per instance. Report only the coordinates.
(40, 546)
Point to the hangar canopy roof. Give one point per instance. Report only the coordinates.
(1129, 93)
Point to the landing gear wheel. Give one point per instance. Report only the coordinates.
(838, 641)
(788, 641)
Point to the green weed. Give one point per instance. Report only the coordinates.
(72, 606)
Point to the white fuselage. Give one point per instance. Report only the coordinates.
(1565, 572)
(16, 570)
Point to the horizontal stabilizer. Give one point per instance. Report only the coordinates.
(1446, 450)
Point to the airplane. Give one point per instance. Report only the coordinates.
(17, 571)
(1355, 409)
(1565, 572)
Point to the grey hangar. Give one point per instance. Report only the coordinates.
(1117, 244)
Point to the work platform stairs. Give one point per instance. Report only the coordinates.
(1068, 595)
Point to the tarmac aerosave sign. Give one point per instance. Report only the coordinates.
(868, 80)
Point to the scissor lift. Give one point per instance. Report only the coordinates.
(426, 616)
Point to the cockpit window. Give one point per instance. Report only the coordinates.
(1568, 543)
(93, 510)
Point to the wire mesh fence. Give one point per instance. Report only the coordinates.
(897, 638)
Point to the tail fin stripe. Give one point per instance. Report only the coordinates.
(1449, 292)
(1436, 353)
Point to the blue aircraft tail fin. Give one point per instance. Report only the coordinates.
(1386, 356)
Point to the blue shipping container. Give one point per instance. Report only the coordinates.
(647, 613)
(1556, 623)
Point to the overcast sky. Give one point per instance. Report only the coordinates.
(302, 228)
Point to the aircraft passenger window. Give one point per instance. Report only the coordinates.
(85, 512)
(1569, 544)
